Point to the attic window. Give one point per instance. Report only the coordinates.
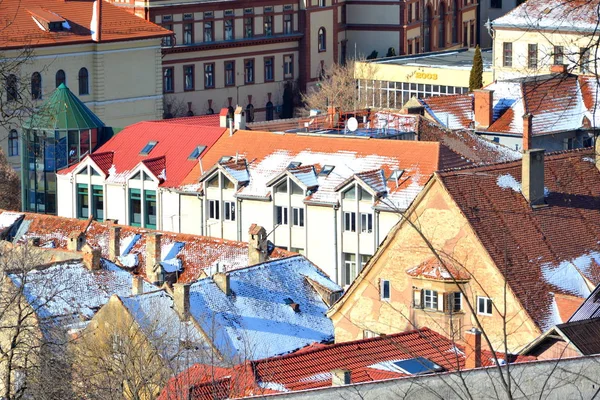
(148, 148)
(196, 153)
(417, 366)
(326, 170)
(294, 164)
(395, 175)
(224, 159)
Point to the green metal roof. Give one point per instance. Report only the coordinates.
(63, 110)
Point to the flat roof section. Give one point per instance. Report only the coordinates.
(453, 59)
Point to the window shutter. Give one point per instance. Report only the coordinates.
(448, 303)
(441, 302)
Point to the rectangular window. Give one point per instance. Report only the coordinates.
(584, 60)
(228, 27)
(98, 203)
(188, 77)
(13, 143)
(298, 214)
(454, 302)
(249, 71)
(248, 27)
(409, 13)
(269, 76)
(507, 54)
(268, 22)
(229, 209)
(168, 84)
(349, 268)
(167, 41)
(367, 334)
(366, 223)
(229, 73)
(322, 3)
(188, 33)
(384, 289)
(484, 305)
(496, 4)
(417, 17)
(430, 299)
(558, 55)
(288, 25)
(83, 203)
(350, 221)
(208, 31)
(209, 75)
(288, 66)
(532, 55)
(135, 207)
(281, 215)
(150, 208)
(213, 209)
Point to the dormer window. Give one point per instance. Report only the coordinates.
(196, 152)
(225, 159)
(282, 188)
(395, 175)
(294, 164)
(148, 148)
(350, 194)
(363, 195)
(326, 170)
(296, 189)
(227, 184)
(213, 182)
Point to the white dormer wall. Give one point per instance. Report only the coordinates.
(144, 186)
(290, 236)
(67, 186)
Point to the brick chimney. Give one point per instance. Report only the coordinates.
(341, 377)
(97, 22)
(114, 242)
(257, 245)
(532, 176)
(221, 279)
(473, 348)
(154, 270)
(239, 118)
(137, 285)
(181, 300)
(484, 107)
(91, 257)
(527, 131)
(558, 69)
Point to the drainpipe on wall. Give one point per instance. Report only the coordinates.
(201, 214)
(335, 241)
(238, 218)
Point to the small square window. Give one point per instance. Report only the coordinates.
(484, 305)
(326, 170)
(196, 152)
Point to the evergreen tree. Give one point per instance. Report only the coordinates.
(391, 52)
(476, 76)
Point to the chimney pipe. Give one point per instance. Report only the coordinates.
(114, 242)
(532, 176)
(257, 245)
(97, 21)
(558, 69)
(223, 118)
(473, 348)
(221, 279)
(341, 377)
(181, 300)
(137, 285)
(154, 271)
(527, 131)
(484, 107)
(230, 123)
(239, 118)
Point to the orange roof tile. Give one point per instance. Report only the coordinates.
(567, 305)
(432, 269)
(23, 30)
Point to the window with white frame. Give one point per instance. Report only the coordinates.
(229, 210)
(213, 209)
(484, 305)
(384, 289)
(366, 223)
(364, 259)
(281, 215)
(454, 302)
(350, 221)
(430, 299)
(367, 334)
(298, 216)
(349, 268)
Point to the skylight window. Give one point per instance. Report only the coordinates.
(148, 148)
(196, 153)
(294, 164)
(224, 159)
(396, 174)
(326, 170)
(417, 366)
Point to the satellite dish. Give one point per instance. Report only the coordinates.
(352, 124)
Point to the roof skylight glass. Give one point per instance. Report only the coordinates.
(294, 164)
(417, 365)
(148, 148)
(326, 170)
(196, 152)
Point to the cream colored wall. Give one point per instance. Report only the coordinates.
(125, 84)
(367, 41)
(170, 218)
(320, 19)
(444, 226)
(545, 41)
(66, 193)
(191, 214)
(321, 247)
(117, 203)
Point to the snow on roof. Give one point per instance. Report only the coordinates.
(306, 175)
(69, 289)
(179, 342)
(8, 218)
(256, 320)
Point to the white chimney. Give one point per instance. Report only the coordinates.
(96, 24)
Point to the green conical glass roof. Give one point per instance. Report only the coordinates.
(63, 111)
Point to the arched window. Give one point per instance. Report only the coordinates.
(84, 87)
(12, 91)
(269, 111)
(249, 113)
(36, 86)
(13, 143)
(427, 29)
(322, 39)
(455, 22)
(60, 77)
(442, 27)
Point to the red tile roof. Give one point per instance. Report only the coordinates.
(198, 120)
(20, 28)
(567, 305)
(175, 144)
(311, 367)
(541, 251)
(454, 112)
(433, 269)
(198, 253)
